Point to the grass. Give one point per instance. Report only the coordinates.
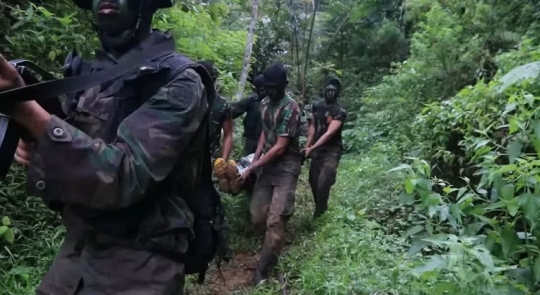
(344, 252)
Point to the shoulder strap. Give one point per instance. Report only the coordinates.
(55, 88)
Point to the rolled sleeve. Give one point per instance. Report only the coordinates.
(71, 167)
(339, 114)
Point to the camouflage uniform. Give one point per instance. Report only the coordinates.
(221, 111)
(252, 121)
(122, 171)
(274, 195)
(325, 159)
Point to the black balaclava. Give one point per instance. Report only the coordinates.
(122, 24)
(331, 90)
(258, 83)
(275, 81)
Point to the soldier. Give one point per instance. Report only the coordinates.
(252, 121)
(220, 119)
(273, 199)
(325, 130)
(124, 167)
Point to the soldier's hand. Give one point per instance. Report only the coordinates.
(23, 152)
(9, 77)
(307, 152)
(245, 173)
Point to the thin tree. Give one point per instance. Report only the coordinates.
(309, 46)
(248, 50)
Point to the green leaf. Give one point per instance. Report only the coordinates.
(514, 150)
(505, 168)
(414, 230)
(483, 255)
(531, 206)
(527, 71)
(461, 192)
(436, 262)
(509, 241)
(400, 167)
(456, 212)
(409, 186)
(536, 269)
(425, 184)
(496, 205)
(507, 192)
(514, 126)
(3, 229)
(52, 55)
(513, 207)
(6, 221)
(536, 127)
(9, 235)
(406, 199)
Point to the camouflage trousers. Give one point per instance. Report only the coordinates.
(273, 199)
(322, 175)
(84, 269)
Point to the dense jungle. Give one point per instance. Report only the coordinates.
(438, 191)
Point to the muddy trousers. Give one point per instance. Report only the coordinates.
(272, 206)
(322, 175)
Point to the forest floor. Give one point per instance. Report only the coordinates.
(236, 276)
(344, 252)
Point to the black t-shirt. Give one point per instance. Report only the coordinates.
(322, 116)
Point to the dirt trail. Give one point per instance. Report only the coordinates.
(238, 275)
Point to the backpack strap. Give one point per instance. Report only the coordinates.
(55, 88)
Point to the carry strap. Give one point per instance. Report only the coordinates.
(58, 87)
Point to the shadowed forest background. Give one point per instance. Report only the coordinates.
(439, 189)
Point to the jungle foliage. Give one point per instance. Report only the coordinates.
(439, 190)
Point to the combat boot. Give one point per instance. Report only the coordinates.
(265, 265)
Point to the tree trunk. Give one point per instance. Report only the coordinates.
(249, 47)
(306, 61)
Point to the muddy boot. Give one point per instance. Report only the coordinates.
(265, 265)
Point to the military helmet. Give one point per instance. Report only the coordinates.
(156, 4)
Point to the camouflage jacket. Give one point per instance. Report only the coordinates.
(125, 165)
(322, 115)
(281, 119)
(221, 111)
(252, 121)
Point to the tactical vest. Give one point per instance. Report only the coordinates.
(140, 226)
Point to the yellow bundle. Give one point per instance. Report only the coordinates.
(220, 168)
(228, 176)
